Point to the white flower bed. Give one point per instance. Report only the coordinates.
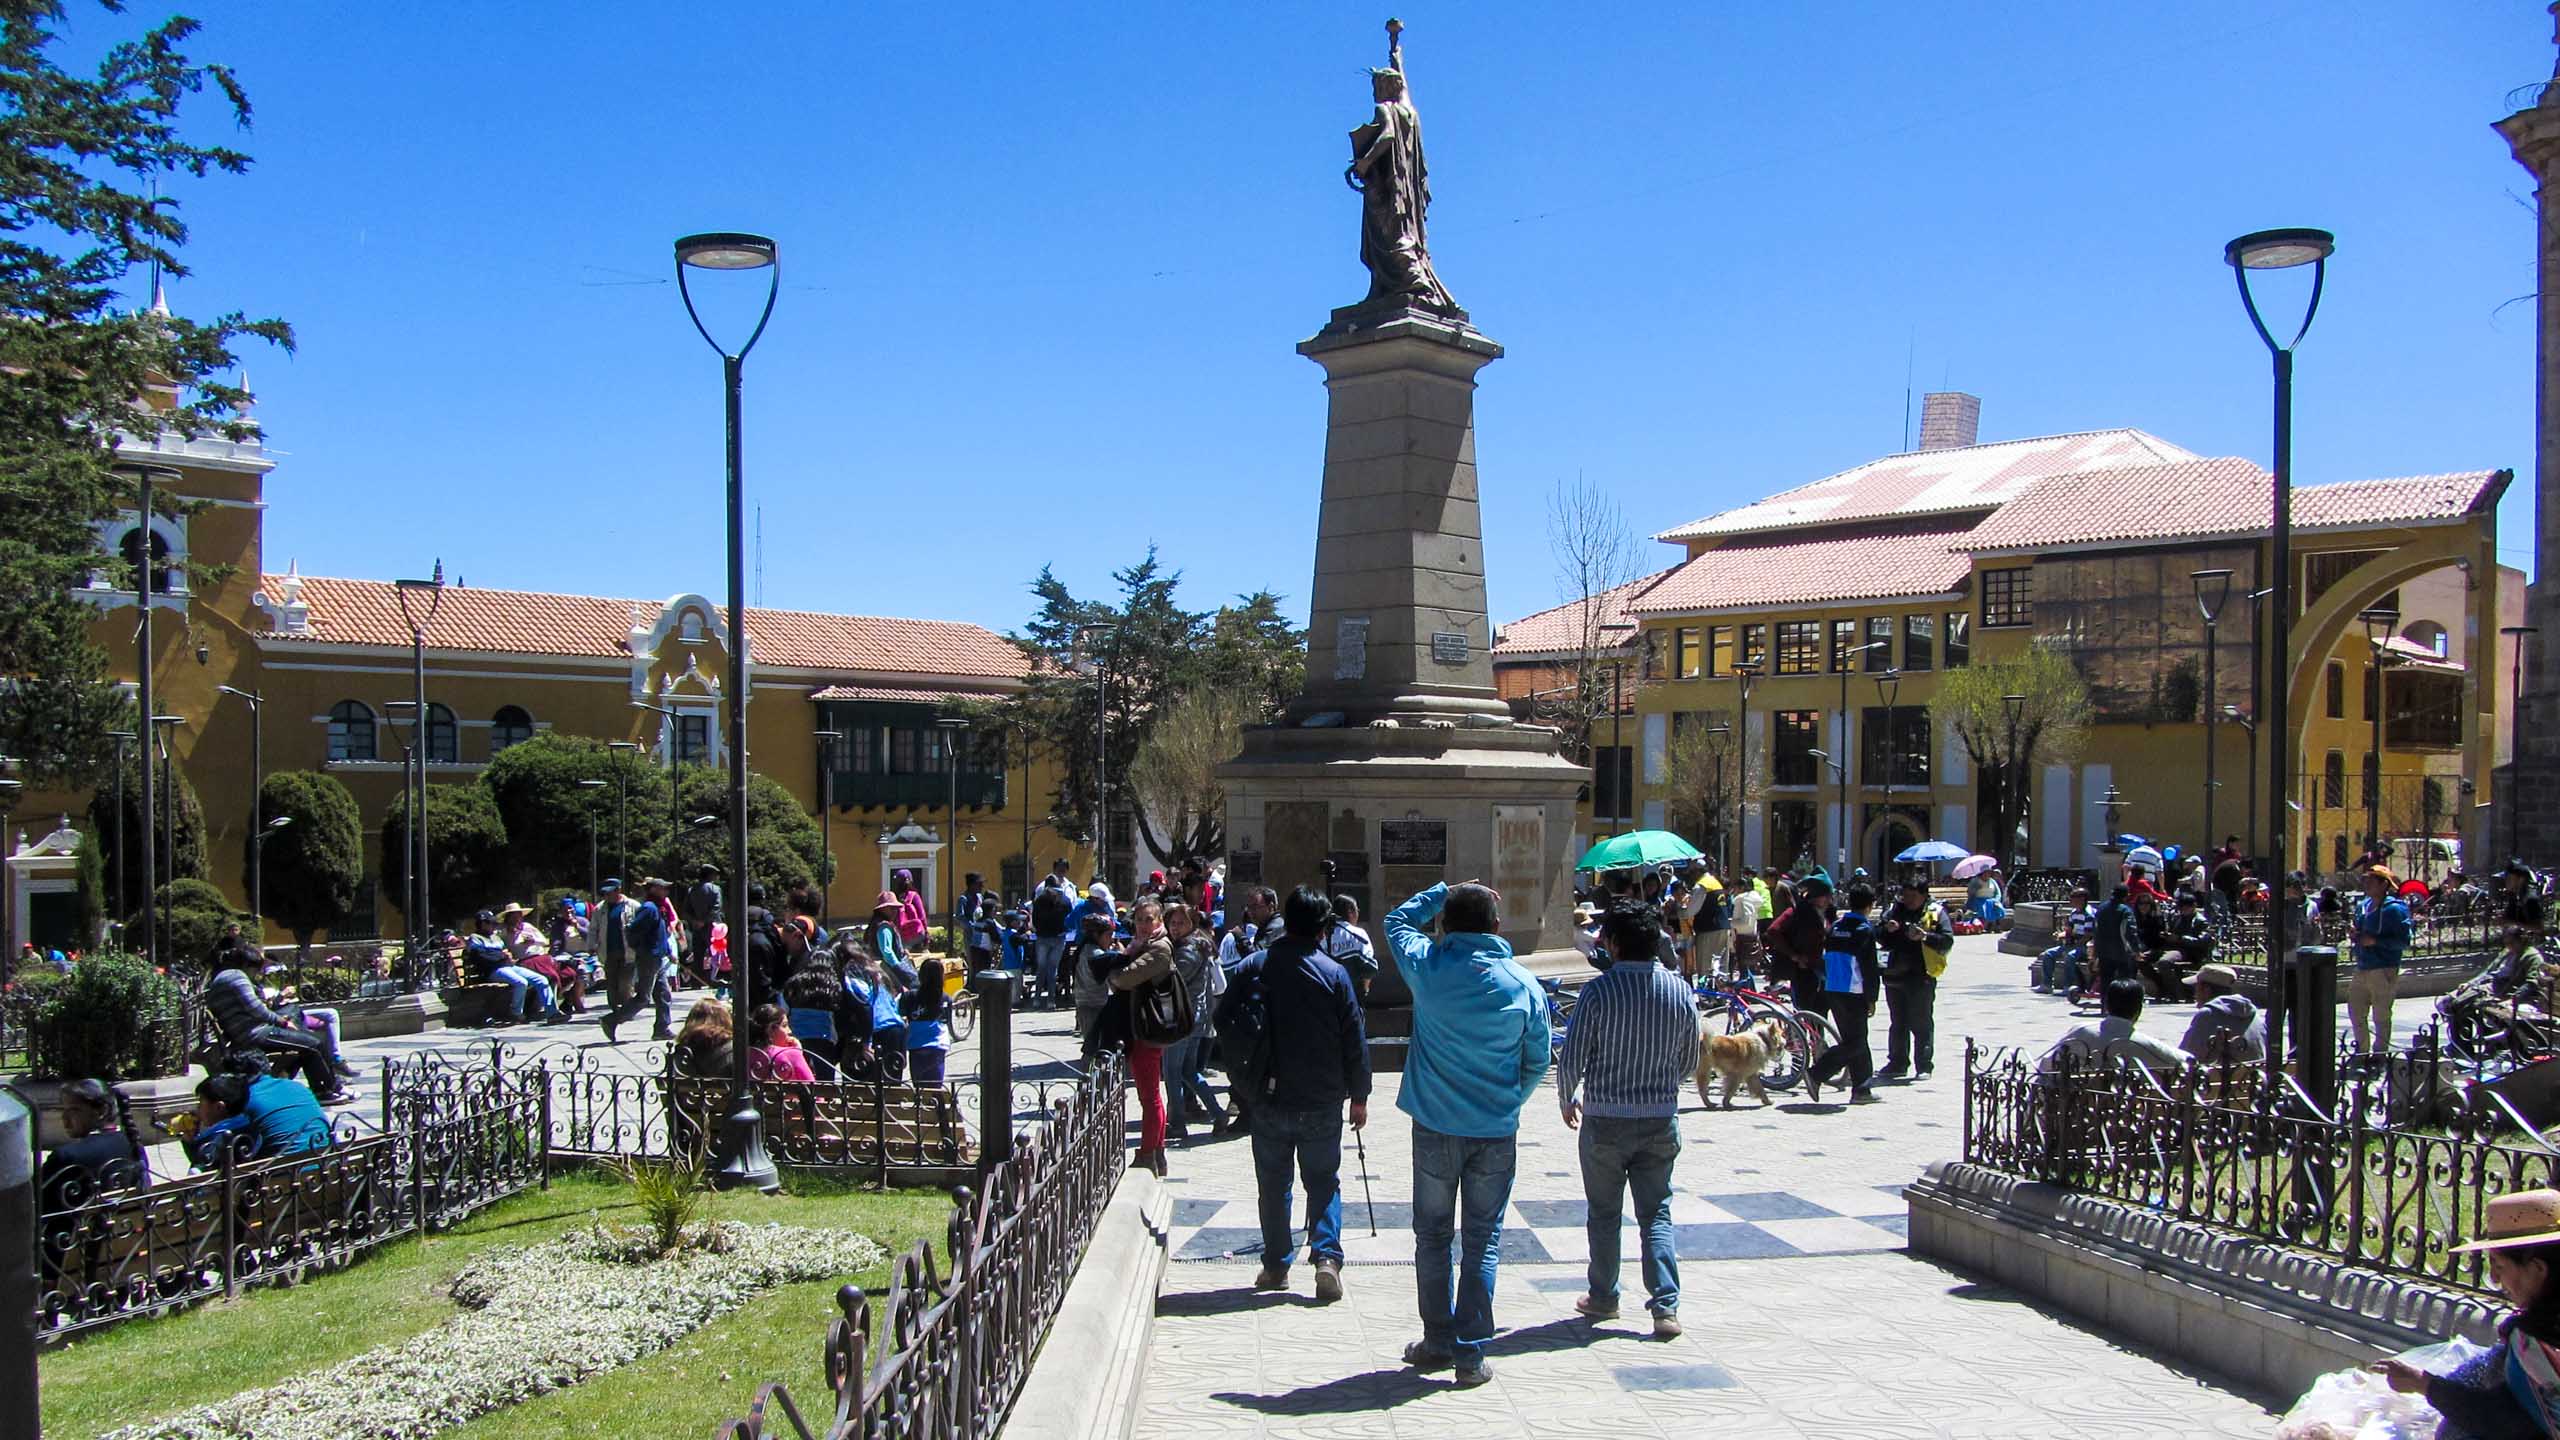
(540, 1318)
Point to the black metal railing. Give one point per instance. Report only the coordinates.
(2031, 887)
(116, 1254)
(947, 1354)
(2389, 1178)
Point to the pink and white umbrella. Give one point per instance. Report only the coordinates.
(1971, 866)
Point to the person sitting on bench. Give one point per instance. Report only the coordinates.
(250, 1028)
(2182, 944)
(252, 1117)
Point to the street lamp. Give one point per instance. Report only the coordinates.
(427, 594)
(122, 738)
(1744, 671)
(257, 888)
(2250, 728)
(1722, 860)
(2213, 591)
(9, 792)
(1623, 787)
(951, 726)
(1888, 687)
(1101, 742)
(146, 478)
(2013, 777)
(1855, 658)
(168, 803)
(2515, 729)
(2280, 250)
(2378, 625)
(675, 802)
(827, 740)
(740, 1155)
(2112, 804)
(595, 870)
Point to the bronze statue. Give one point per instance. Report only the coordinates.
(1395, 191)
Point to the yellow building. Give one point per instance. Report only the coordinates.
(330, 660)
(1855, 594)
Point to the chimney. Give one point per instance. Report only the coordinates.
(1949, 420)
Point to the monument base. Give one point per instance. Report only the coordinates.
(1398, 810)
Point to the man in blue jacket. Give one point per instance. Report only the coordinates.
(1309, 1018)
(2381, 937)
(1480, 1046)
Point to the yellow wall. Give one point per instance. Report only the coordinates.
(571, 696)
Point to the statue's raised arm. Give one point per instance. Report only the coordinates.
(1395, 190)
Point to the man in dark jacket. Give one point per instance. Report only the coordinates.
(1910, 991)
(1319, 1058)
(1851, 1004)
(1796, 940)
(2115, 944)
(249, 1026)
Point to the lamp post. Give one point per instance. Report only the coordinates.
(122, 738)
(595, 869)
(1101, 743)
(2279, 250)
(1857, 659)
(2213, 591)
(9, 792)
(1723, 862)
(427, 594)
(1888, 688)
(257, 777)
(827, 740)
(740, 1158)
(1622, 790)
(2013, 772)
(951, 726)
(2515, 728)
(1744, 671)
(2378, 625)
(146, 478)
(675, 801)
(257, 890)
(168, 804)
(2249, 727)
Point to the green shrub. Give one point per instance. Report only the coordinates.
(192, 916)
(326, 985)
(113, 1017)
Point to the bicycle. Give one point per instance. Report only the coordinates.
(1805, 1036)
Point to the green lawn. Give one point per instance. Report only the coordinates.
(150, 1368)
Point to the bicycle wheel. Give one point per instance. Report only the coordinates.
(1795, 1051)
(964, 1015)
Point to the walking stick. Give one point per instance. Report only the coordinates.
(1362, 1148)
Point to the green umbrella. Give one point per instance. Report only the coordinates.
(1636, 847)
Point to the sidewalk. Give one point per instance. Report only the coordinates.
(1803, 1316)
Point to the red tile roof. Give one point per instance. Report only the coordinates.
(2200, 498)
(1873, 562)
(367, 612)
(1558, 631)
(1926, 482)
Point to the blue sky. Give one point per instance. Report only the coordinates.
(1043, 267)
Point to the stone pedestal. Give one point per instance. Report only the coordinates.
(2533, 781)
(1400, 764)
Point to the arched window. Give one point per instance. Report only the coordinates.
(442, 747)
(2336, 699)
(2338, 851)
(510, 726)
(2372, 782)
(164, 576)
(2429, 634)
(2333, 781)
(689, 629)
(350, 731)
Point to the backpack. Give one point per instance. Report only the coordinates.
(1160, 1012)
(1244, 1034)
(1935, 945)
(1049, 907)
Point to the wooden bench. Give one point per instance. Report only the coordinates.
(486, 1003)
(851, 1125)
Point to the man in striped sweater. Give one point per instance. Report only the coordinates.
(1628, 1054)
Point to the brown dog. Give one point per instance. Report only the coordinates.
(1738, 1060)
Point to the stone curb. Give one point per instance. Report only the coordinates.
(2271, 1318)
(1086, 1382)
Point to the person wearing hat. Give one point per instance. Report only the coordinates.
(637, 950)
(913, 923)
(2381, 936)
(887, 940)
(528, 947)
(1907, 930)
(2513, 1388)
(485, 958)
(1586, 935)
(2227, 1028)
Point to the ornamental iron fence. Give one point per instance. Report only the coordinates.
(947, 1355)
(2392, 1176)
(110, 1253)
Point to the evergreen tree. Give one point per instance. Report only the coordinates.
(188, 826)
(313, 869)
(468, 864)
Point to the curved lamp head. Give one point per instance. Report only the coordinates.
(728, 250)
(2213, 591)
(2281, 250)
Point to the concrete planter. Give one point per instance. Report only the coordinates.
(153, 1101)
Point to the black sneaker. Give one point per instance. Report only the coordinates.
(1426, 1357)
(1471, 1376)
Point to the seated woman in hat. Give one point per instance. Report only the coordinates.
(2512, 1390)
(531, 949)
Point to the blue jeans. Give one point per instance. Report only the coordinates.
(1185, 1084)
(1619, 1154)
(528, 993)
(1047, 951)
(2059, 963)
(1451, 1172)
(1313, 1140)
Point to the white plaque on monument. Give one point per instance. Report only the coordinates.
(1351, 647)
(1449, 647)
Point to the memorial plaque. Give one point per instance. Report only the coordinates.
(1350, 876)
(1413, 842)
(1244, 867)
(1520, 861)
(1351, 647)
(1449, 647)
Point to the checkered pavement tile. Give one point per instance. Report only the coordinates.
(1736, 1225)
